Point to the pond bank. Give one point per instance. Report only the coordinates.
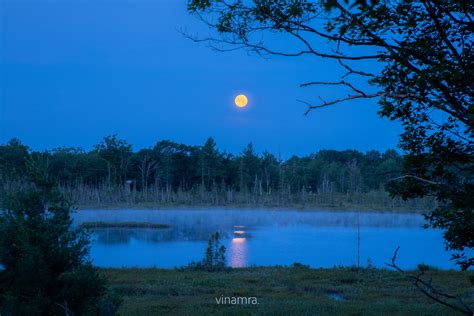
(307, 208)
(92, 225)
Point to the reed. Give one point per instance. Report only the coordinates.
(116, 196)
(155, 197)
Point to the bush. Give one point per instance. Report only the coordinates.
(299, 265)
(47, 270)
(426, 267)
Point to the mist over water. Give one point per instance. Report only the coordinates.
(265, 238)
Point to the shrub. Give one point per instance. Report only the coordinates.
(214, 257)
(299, 265)
(426, 267)
(46, 268)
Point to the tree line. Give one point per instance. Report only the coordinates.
(172, 166)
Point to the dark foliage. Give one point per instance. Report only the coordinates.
(171, 166)
(46, 270)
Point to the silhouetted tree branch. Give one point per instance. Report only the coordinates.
(426, 287)
(423, 77)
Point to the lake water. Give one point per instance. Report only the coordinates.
(264, 238)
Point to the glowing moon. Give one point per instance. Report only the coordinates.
(241, 101)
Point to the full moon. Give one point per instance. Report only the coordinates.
(241, 100)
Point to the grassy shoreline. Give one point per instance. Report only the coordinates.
(92, 225)
(151, 206)
(113, 198)
(282, 291)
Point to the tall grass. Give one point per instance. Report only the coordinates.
(120, 196)
(111, 196)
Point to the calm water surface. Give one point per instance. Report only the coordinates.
(264, 237)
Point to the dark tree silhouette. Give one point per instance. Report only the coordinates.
(425, 52)
(45, 264)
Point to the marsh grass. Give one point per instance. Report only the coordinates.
(120, 197)
(281, 291)
(92, 225)
(116, 197)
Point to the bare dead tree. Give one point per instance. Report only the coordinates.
(146, 167)
(425, 285)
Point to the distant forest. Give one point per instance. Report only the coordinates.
(169, 173)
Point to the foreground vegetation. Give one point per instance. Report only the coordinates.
(281, 291)
(44, 263)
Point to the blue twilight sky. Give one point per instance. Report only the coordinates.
(72, 72)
